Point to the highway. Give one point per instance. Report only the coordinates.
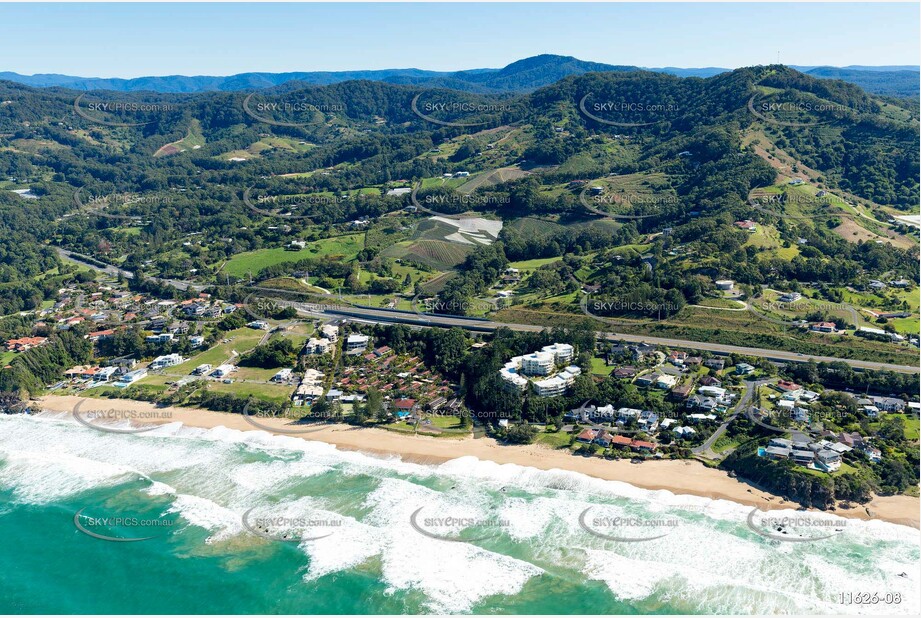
(408, 317)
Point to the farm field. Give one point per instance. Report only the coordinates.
(253, 261)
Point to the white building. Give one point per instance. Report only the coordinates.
(354, 342)
(724, 284)
(712, 391)
(330, 331)
(537, 363)
(202, 370)
(558, 384)
(131, 377)
(169, 360)
(317, 346)
(283, 375)
(222, 371)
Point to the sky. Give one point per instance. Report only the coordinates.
(132, 40)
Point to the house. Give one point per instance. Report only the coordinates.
(665, 381)
(625, 372)
(693, 361)
(681, 392)
(712, 391)
(587, 436)
(435, 404)
(684, 432)
(404, 407)
(642, 446)
(700, 418)
(356, 343)
(790, 297)
(747, 225)
(131, 377)
(621, 441)
(677, 357)
(724, 284)
(889, 404)
(161, 338)
(823, 327)
(317, 346)
(710, 381)
(283, 375)
(877, 285)
(25, 343)
(604, 438)
(259, 325)
(100, 334)
(196, 341)
(222, 371)
(787, 386)
(701, 402)
(104, 374)
(828, 460)
(382, 351)
(201, 370)
(743, 369)
(168, 360)
(716, 364)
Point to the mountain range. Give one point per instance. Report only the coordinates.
(521, 76)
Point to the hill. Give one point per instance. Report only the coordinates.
(521, 76)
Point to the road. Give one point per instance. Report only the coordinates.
(750, 389)
(408, 317)
(115, 272)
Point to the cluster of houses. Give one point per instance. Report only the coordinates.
(329, 335)
(393, 375)
(825, 454)
(793, 401)
(606, 439)
(540, 371)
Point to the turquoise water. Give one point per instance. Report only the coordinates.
(520, 547)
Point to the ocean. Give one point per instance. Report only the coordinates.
(186, 520)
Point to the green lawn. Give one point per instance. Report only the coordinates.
(243, 340)
(600, 369)
(559, 439)
(253, 261)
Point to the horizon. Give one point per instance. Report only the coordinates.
(316, 37)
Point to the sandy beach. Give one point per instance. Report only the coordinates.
(679, 477)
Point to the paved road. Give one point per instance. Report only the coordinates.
(408, 317)
(114, 271)
(750, 389)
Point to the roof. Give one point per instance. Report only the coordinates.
(621, 441)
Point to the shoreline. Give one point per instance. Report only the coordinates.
(676, 476)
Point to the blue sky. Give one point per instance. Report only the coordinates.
(130, 40)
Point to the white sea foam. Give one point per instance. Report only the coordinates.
(711, 562)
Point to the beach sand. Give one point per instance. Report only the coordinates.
(676, 476)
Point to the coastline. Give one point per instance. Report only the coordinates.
(676, 476)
